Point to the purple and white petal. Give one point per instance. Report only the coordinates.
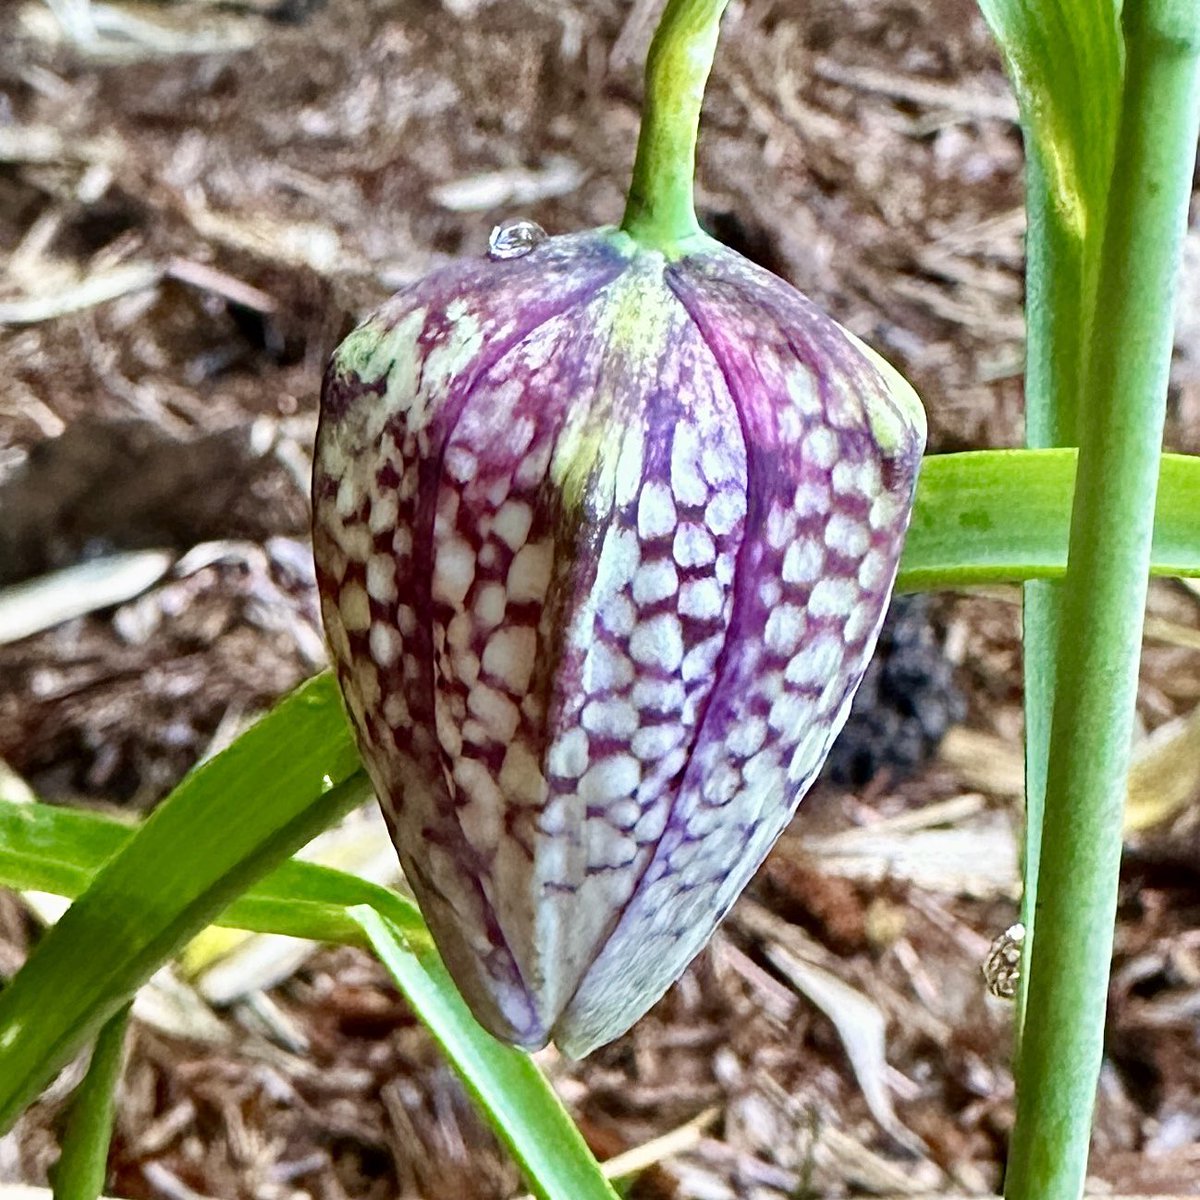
(604, 542)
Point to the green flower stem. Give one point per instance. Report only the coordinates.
(1103, 600)
(1065, 61)
(660, 212)
(1056, 303)
(83, 1164)
(1063, 263)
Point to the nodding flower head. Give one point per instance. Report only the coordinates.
(604, 539)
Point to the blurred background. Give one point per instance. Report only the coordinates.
(197, 200)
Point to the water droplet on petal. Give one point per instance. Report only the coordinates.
(515, 238)
(1002, 971)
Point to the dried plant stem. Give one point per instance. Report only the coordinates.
(1103, 600)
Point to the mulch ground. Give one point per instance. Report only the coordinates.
(196, 201)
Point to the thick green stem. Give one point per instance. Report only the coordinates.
(660, 213)
(1065, 63)
(1103, 600)
(1064, 254)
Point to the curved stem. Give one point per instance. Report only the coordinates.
(1103, 600)
(659, 212)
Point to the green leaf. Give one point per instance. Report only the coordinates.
(1064, 59)
(61, 850)
(1003, 516)
(227, 824)
(507, 1086)
(83, 1165)
(981, 517)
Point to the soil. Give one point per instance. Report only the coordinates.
(197, 200)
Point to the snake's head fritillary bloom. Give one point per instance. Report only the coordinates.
(604, 540)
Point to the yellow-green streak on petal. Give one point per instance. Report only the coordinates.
(892, 418)
(370, 355)
(635, 315)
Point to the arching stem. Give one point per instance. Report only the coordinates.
(660, 213)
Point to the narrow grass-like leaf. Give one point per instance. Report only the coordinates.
(980, 517)
(83, 1164)
(227, 824)
(61, 850)
(1064, 59)
(507, 1086)
(1003, 516)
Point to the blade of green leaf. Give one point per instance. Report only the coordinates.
(1003, 516)
(83, 1165)
(980, 517)
(227, 824)
(61, 850)
(506, 1084)
(1064, 59)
